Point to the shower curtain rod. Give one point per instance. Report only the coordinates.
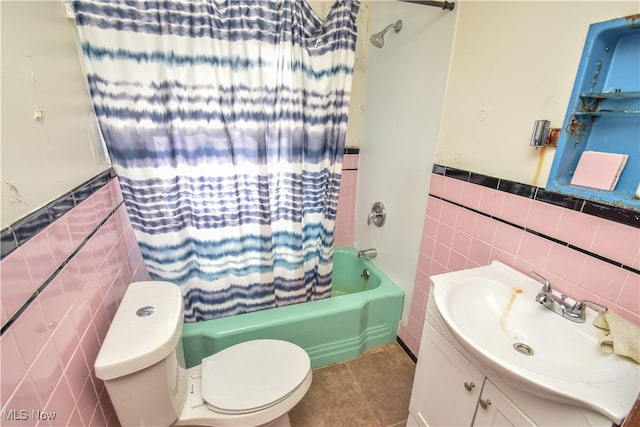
(445, 5)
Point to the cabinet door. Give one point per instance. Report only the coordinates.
(494, 409)
(446, 386)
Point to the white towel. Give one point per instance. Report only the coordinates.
(618, 335)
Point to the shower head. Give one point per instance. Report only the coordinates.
(377, 39)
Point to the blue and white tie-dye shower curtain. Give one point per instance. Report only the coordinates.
(226, 121)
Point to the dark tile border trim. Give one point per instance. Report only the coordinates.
(608, 212)
(351, 150)
(18, 233)
(520, 190)
(53, 275)
(407, 350)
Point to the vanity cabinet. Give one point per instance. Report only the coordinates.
(450, 388)
(494, 409)
(442, 372)
(449, 391)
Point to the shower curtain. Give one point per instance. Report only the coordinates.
(225, 122)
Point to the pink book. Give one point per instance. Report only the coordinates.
(599, 170)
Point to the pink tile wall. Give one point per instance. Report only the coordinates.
(345, 227)
(47, 354)
(455, 238)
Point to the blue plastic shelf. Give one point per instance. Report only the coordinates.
(604, 112)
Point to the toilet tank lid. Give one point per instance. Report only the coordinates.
(145, 329)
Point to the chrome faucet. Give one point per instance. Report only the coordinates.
(368, 253)
(575, 312)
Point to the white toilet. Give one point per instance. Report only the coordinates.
(141, 362)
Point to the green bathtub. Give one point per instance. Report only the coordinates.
(361, 314)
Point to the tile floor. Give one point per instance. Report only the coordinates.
(372, 390)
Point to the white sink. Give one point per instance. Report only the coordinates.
(490, 309)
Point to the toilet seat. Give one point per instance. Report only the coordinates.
(253, 375)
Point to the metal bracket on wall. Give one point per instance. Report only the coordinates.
(543, 135)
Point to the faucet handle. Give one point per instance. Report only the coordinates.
(547, 286)
(372, 216)
(377, 215)
(581, 305)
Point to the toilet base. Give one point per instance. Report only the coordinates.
(283, 421)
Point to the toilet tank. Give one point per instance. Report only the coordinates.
(141, 360)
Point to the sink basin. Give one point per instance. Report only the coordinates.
(491, 311)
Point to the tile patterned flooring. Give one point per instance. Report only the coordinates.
(372, 390)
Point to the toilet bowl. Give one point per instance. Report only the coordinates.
(141, 361)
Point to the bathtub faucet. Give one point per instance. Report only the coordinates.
(367, 253)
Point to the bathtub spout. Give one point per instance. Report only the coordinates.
(368, 253)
